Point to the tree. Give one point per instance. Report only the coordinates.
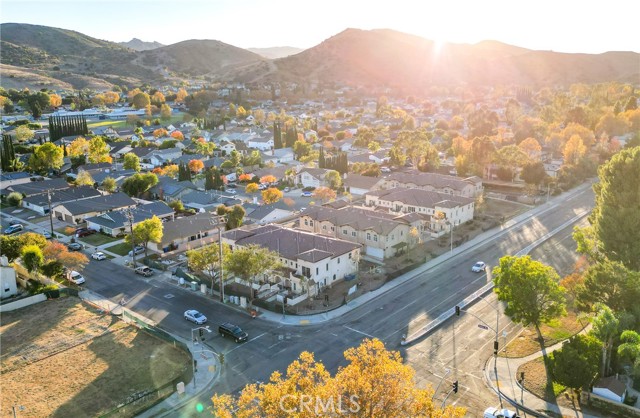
(176, 205)
(325, 194)
(131, 162)
(301, 149)
(141, 100)
(84, 179)
(374, 383)
(271, 195)
(98, 151)
(268, 179)
(234, 215)
(609, 283)
(576, 364)
(78, 147)
(14, 199)
(196, 166)
(605, 327)
(574, 150)
(206, 259)
(511, 157)
(333, 179)
(629, 349)
(177, 135)
(139, 183)
(530, 289)
(249, 262)
(46, 157)
(251, 188)
(533, 173)
(23, 133)
(11, 246)
(531, 147)
(57, 251)
(149, 230)
(109, 184)
(32, 257)
(55, 100)
(616, 215)
(181, 94)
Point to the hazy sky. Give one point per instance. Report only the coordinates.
(591, 26)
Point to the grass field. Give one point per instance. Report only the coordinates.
(98, 239)
(121, 249)
(120, 124)
(64, 358)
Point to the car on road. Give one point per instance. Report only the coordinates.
(286, 189)
(99, 256)
(499, 413)
(84, 232)
(138, 249)
(306, 194)
(144, 271)
(46, 234)
(195, 317)
(231, 186)
(385, 170)
(231, 191)
(233, 331)
(12, 229)
(478, 267)
(75, 246)
(75, 277)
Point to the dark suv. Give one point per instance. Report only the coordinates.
(84, 232)
(233, 331)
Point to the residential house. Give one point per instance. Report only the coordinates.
(169, 189)
(40, 202)
(13, 179)
(116, 223)
(311, 177)
(444, 209)
(312, 261)
(209, 200)
(359, 185)
(93, 168)
(37, 187)
(226, 147)
(283, 155)
(119, 149)
(77, 211)
(265, 214)
(8, 285)
(610, 388)
(469, 187)
(261, 143)
(161, 157)
(187, 233)
(382, 234)
(143, 152)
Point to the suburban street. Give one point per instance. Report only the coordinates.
(459, 346)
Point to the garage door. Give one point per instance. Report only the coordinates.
(375, 252)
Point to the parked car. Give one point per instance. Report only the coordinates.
(231, 186)
(385, 170)
(478, 267)
(144, 271)
(12, 229)
(233, 331)
(138, 249)
(286, 189)
(46, 234)
(231, 191)
(195, 317)
(306, 194)
(499, 413)
(75, 277)
(75, 246)
(84, 232)
(99, 256)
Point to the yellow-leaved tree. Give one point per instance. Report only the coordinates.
(375, 383)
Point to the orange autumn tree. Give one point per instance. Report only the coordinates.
(324, 193)
(160, 132)
(245, 178)
(268, 179)
(55, 100)
(374, 383)
(177, 135)
(196, 166)
(251, 188)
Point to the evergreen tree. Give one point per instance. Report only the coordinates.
(277, 136)
(218, 183)
(208, 180)
(321, 162)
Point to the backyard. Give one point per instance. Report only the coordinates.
(65, 358)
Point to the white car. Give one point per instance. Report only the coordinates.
(499, 413)
(385, 170)
(75, 277)
(478, 267)
(99, 256)
(195, 317)
(139, 249)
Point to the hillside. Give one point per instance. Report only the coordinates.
(199, 57)
(276, 52)
(138, 45)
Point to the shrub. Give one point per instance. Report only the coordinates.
(14, 199)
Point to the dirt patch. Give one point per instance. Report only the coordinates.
(558, 330)
(63, 358)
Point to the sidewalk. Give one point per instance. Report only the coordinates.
(511, 390)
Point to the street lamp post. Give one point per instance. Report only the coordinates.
(450, 235)
(219, 221)
(447, 371)
(193, 340)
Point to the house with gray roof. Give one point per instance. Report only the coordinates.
(311, 261)
(37, 187)
(188, 232)
(444, 210)
(358, 185)
(264, 214)
(160, 157)
(381, 234)
(468, 187)
(116, 223)
(207, 200)
(77, 211)
(312, 177)
(40, 202)
(169, 189)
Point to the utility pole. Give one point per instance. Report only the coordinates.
(50, 213)
(133, 244)
(221, 219)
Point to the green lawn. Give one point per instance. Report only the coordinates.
(117, 124)
(98, 239)
(121, 249)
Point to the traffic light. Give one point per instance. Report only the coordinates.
(495, 348)
(455, 387)
(457, 310)
(201, 333)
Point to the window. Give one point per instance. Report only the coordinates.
(333, 228)
(375, 238)
(368, 236)
(306, 272)
(306, 222)
(344, 232)
(310, 223)
(338, 260)
(353, 233)
(349, 256)
(327, 266)
(317, 270)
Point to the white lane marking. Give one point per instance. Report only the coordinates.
(359, 332)
(241, 345)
